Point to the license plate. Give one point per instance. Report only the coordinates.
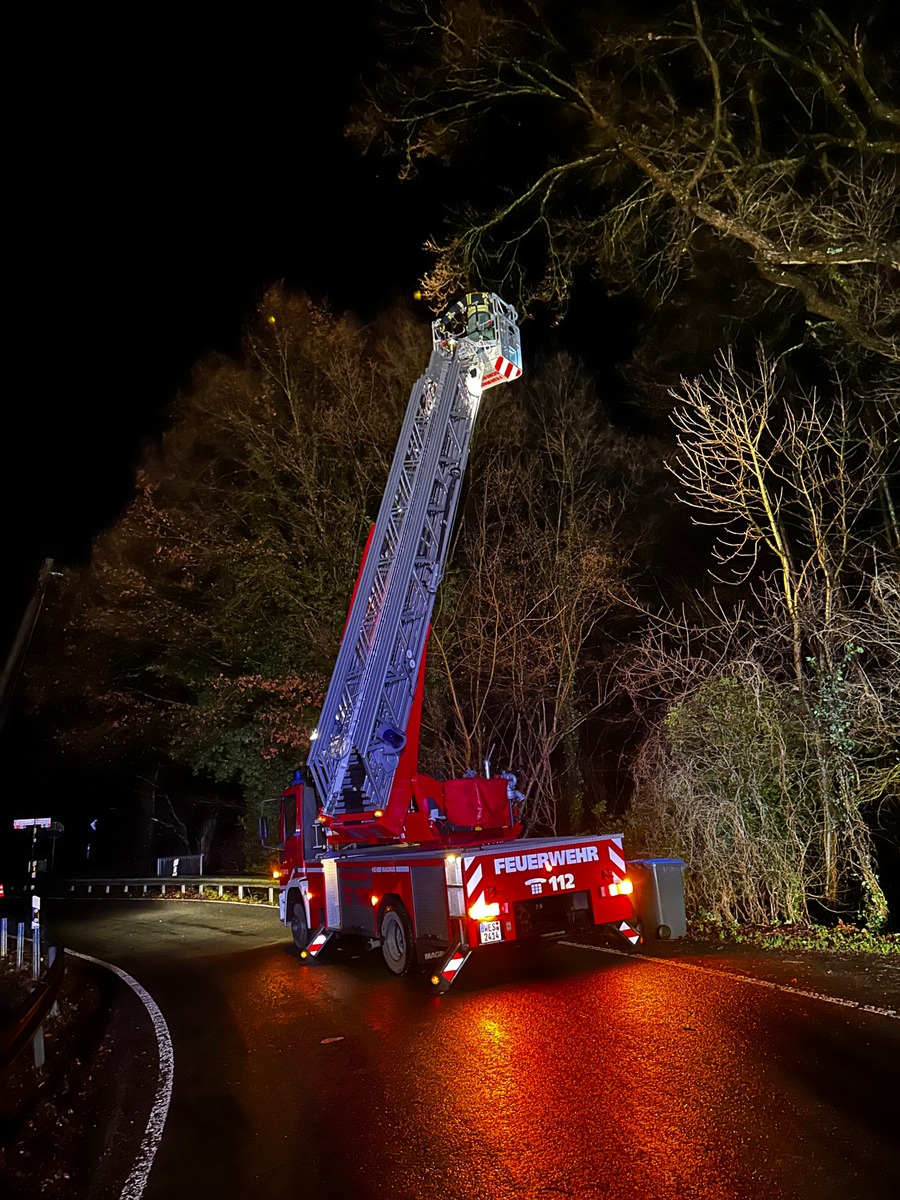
(489, 931)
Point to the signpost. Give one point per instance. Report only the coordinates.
(34, 824)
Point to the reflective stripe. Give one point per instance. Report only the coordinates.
(507, 369)
(317, 943)
(453, 965)
(616, 859)
(472, 884)
(629, 934)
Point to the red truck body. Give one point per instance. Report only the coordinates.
(447, 899)
(432, 871)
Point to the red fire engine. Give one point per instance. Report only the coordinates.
(432, 871)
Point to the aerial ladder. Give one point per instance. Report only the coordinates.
(364, 724)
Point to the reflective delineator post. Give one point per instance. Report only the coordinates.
(51, 959)
(20, 943)
(40, 1056)
(35, 952)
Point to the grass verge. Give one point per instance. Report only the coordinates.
(839, 938)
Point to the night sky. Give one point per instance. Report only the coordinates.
(160, 179)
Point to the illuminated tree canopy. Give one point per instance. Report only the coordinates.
(631, 145)
(204, 627)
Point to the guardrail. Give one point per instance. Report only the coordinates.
(48, 969)
(207, 886)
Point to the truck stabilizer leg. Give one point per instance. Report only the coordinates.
(627, 933)
(317, 944)
(448, 972)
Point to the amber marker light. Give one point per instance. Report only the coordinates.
(435, 979)
(484, 912)
(375, 900)
(623, 888)
(378, 813)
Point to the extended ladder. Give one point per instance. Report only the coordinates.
(361, 731)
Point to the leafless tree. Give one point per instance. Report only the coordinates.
(767, 792)
(616, 142)
(795, 477)
(539, 569)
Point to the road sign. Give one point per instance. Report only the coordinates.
(31, 822)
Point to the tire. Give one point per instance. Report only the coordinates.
(397, 945)
(299, 923)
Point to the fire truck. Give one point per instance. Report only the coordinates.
(431, 871)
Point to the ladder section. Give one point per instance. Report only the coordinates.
(362, 726)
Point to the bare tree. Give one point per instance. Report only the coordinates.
(617, 142)
(539, 570)
(795, 477)
(770, 794)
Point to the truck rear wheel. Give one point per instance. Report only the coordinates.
(299, 923)
(397, 946)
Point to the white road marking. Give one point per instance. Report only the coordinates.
(137, 1180)
(775, 987)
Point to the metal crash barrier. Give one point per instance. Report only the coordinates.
(206, 887)
(180, 864)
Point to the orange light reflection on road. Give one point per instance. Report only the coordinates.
(615, 1080)
(642, 1114)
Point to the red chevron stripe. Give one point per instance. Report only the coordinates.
(453, 966)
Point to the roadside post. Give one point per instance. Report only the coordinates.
(34, 824)
(35, 937)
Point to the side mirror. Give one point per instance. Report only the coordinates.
(264, 830)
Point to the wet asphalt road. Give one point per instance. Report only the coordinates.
(581, 1075)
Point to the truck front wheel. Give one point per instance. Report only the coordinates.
(299, 924)
(397, 945)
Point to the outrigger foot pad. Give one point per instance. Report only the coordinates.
(449, 970)
(316, 945)
(628, 932)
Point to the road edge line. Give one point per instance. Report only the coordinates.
(766, 983)
(137, 1179)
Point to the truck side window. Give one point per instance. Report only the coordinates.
(288, 816)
